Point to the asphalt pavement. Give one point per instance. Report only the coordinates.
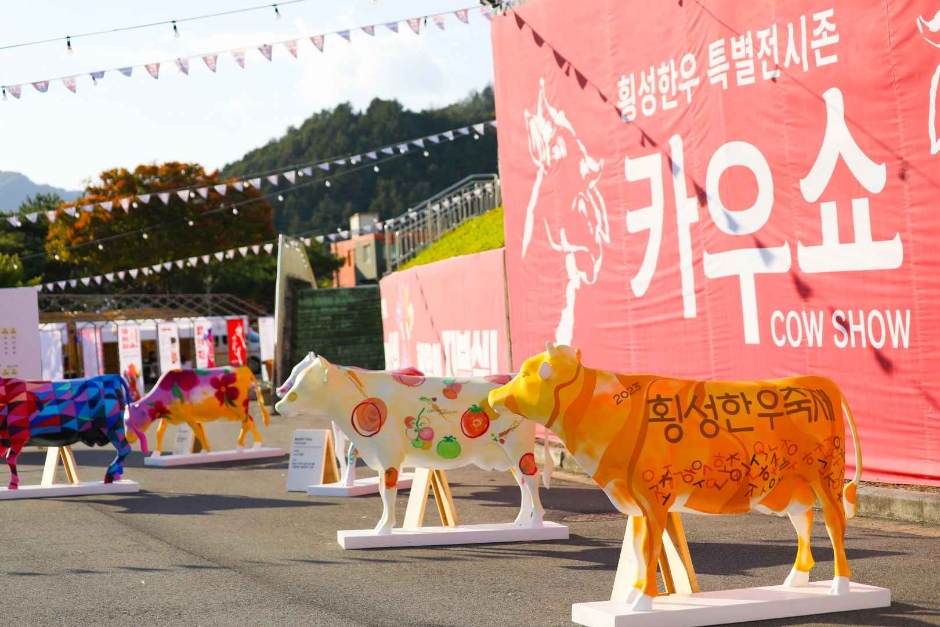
(228, 545)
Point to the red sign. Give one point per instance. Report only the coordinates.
(448, 319)
(237, 347)
(732, 191)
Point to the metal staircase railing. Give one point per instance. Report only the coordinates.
(427, 221)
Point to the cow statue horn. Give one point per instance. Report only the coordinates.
(552, 349)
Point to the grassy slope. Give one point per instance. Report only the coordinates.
(482, 233)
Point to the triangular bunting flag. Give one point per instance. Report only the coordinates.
(88, 208)
(392, 26)
(369, 30)
(388, 151)
(230, 254)
(415, 24)
(211, 61)
(51, 216)
(355, 159)
(449, 135)
(255, 248)
(487, 13)
(402, 148)
(61, 284)
(203, 191)
(13, 221)
(153, 69)
(433, 138)
(239, 186)
(144, 198)
(256, 183)
(464, 131)
(193, 261)
(205, 258)
(98, 279)
(332, 237)
(265, 49)
(419, 143)
(479, 128)
(69, 82)
(165, 197)
(462, 16)
(73, 283)
(344, 234)
(243, 250)
(15, 90)
(239, 56)
(221, 189)
(290, 176)
(340, 162)
(318, 42)
(272, 179)
(372, 155)
(324, 166)
(493, 123)
(126, 71)
(307, 171)
(41, 86)
(220, 256)
(32, 217)
(291, 47)
(70, 211)
(110, 277)
(344, 34)
(107, 205)
(180, 263)
(183, 65)
(268, 248)
(183, 194)
(319, 239)
(125, 204)
(145, 271)
(439, 21)
(156, 268)
(167, 265)
(86, 281)
(121, 274)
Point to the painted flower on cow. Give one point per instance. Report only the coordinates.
(158, 410)
(225, 390)
(185, 379)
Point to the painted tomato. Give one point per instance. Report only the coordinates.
(410, 380)
(448, 447)
(474, 422)
(527, 464)
(426, 434)
(410, 422)
(369, 416)
(499, 379)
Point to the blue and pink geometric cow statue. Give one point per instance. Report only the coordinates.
(61, 413)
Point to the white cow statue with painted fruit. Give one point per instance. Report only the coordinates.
(397, 420)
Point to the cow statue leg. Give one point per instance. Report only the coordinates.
(349, 468)
(649, 545)
(199, 431)
(161, 430)
(803, 523)
(531, 512)
(15, 447)
(4, 449)
(835, 524)
(389, 485)
(248, 424)
(116, 469)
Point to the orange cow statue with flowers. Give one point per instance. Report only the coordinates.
(658, 445)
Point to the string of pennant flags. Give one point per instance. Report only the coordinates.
(239, 55)
(230, 254)
(289, 175)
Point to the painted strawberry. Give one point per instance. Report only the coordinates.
(448, 447)
(527, 464)
(474, 422)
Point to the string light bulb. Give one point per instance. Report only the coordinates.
(476, 136)
(15, 266)
(375, 168)
(100, 246)
(192, 194)
(68, 44)
(427, 154)
(176, 32)
(280, 197)
(191, 223)
(145, 236)
(277, 12)
(134, 204)
(234, 211)
(327, 183)
(57, 257)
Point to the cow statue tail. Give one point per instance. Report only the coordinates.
(127, 391)
(548, 466)
(264, 410)
(849, 496)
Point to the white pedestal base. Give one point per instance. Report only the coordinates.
(732, 606)
(360, 487)
(69, 489)
(213, 457)
(443, 536)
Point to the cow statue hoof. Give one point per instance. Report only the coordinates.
(155, 454)
(797, 579)
(239, 449)
(840, 585)
(13, 486)
(109, 478)
(643, 603)
(256, 446)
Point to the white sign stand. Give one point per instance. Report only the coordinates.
(75, 487)
(311, 454)
(413, 533)
(183, 440)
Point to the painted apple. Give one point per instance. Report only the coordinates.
(474, 422)
(426, 434)
(448, 447)
(410, 380)
(527, 464)
(369, 416)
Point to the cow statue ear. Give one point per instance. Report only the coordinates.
(545, 371)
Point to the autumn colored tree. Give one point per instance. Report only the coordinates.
(148, 233)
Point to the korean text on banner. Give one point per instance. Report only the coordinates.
(237, 346)
(719, 192)
(168, 340)
(130, 358)
(205, 346)
(428, 324)
(19, 333)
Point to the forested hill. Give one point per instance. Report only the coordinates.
(400, 182)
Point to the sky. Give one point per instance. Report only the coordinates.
(65, 139)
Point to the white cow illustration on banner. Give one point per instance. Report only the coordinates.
(930, 28)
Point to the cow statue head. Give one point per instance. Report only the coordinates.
(294, 373)
(309, 391)
(136, 421)
(536, 392)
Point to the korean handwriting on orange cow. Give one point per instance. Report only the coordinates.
(658, 445)
(396, 420)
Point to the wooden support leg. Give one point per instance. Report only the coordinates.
(53, 455)
(330, 467)
(68, 461)
(425, 480)
(675, 563)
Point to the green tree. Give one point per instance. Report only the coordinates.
(11, 270)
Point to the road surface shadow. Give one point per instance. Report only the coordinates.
(192, 504)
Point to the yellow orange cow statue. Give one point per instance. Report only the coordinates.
(658, 445)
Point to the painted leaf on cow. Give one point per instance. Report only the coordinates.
(178, 393)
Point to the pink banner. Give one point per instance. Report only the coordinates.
(732, 191)
(448, 319)
(237, 347)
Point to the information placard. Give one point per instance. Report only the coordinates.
(183, 441)
(307, 457)
(169, 340)
(19, 333)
